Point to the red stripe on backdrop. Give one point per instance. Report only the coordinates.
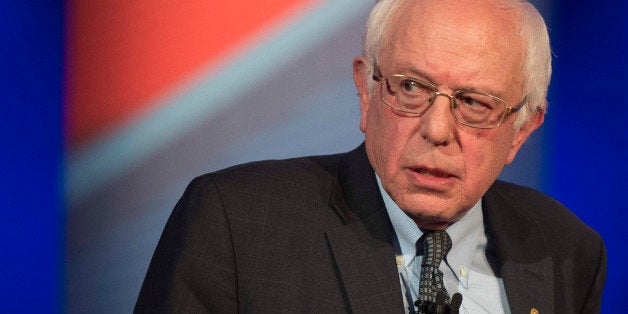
(120, 54)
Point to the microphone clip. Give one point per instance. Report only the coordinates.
(440, 306)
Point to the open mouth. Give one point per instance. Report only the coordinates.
(433, 173)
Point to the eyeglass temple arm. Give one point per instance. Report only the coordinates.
(517, 107)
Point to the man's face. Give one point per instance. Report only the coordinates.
(434, 168)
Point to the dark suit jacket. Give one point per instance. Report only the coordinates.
(312, 235)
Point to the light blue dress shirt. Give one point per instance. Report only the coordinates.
(466, 269)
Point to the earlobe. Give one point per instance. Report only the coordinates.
(359, 78)
(524, 132)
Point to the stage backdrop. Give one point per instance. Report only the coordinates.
(158, 92)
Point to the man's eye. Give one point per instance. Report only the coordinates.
(410, 86)
(471, 102)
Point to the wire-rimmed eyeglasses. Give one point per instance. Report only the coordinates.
(412, 96)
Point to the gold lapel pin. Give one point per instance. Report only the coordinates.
(534, 311)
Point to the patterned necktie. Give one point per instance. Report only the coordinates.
(434, 247)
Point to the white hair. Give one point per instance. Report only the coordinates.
(537, 68)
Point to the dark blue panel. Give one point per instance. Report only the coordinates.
(587, 123)
(30, 182)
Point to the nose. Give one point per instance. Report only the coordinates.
(437, 123)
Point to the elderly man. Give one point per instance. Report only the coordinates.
(414, 219)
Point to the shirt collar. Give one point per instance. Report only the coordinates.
(464, 234)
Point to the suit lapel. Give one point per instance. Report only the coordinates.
(363, 251)
(524, 262)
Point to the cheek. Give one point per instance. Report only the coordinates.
(386, 134)
(377, 135)
(485, 154)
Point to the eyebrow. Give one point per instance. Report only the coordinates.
(425, 76)
(417, 73)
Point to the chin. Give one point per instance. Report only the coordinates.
(430, 217)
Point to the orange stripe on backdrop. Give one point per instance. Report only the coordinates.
(120, 54)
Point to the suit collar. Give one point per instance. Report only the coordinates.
(524, 262)
(363, 251)
(356, 194)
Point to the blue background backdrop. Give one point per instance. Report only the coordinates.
(59, 249)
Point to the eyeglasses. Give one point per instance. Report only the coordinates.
(412, 96)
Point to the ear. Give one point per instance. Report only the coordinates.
(524, 132)
(360, 79)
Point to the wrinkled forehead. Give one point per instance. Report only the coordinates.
(488, 26)
(457, 43)
(480, 22)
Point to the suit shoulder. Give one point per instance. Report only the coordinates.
(303, 177)
(277, 169)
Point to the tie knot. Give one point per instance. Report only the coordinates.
(435, 244)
